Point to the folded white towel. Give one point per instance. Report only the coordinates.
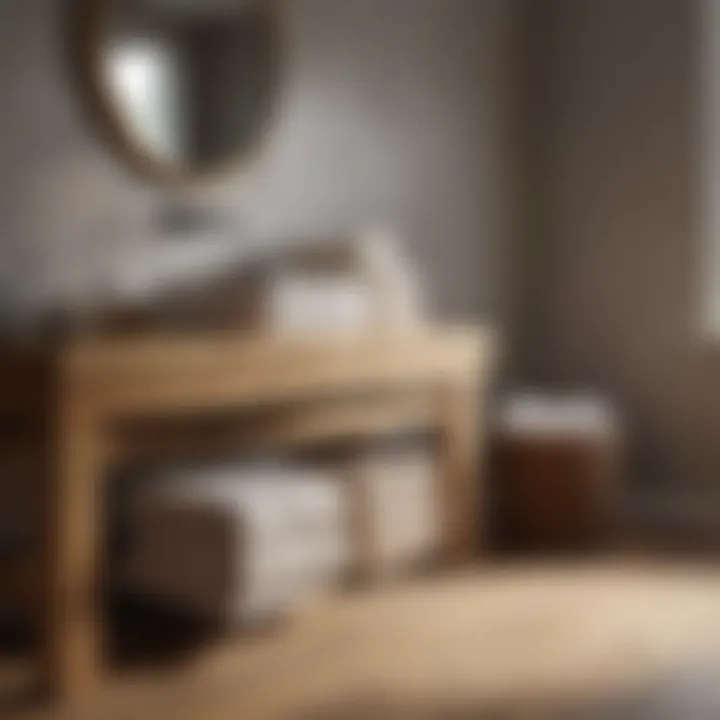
(579, 414)
(233, 545)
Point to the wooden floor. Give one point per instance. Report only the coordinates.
(619, 641)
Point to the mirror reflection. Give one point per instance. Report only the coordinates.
(189, 82)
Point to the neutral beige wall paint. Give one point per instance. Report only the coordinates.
(394, 110)
(616, 278)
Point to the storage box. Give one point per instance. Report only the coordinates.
(555, 472)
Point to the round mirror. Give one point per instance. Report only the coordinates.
(183, 87)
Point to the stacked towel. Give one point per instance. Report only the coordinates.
(237, 544)
(401, 495)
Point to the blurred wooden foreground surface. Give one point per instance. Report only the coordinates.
(619, 640)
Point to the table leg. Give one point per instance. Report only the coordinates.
(72, 653)
(462, 487)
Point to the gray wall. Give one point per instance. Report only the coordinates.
(615, 294)
(407, 111)
(394, 110)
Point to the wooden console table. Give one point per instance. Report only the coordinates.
(96, 401)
